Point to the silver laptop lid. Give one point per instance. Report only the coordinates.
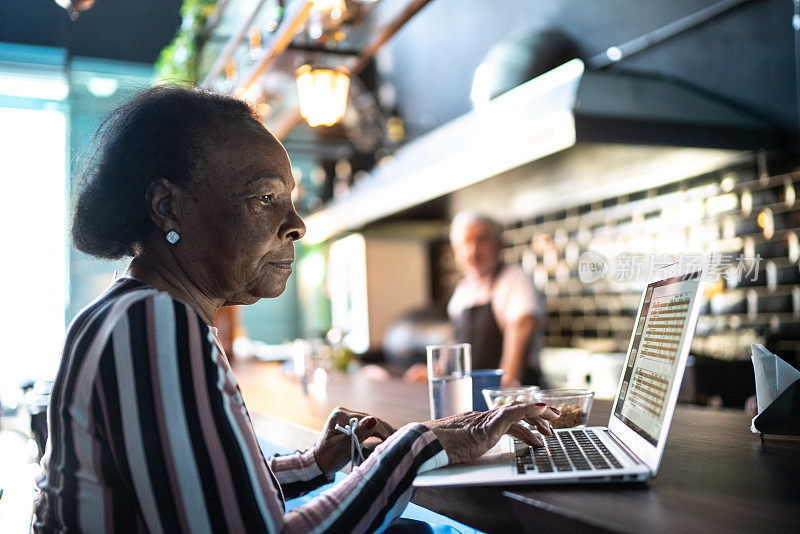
(648, 389)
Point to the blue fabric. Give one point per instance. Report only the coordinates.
(439, 524)
(412, 526)
(269, 449)
(414, 519)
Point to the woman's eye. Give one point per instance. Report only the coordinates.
(266, 199)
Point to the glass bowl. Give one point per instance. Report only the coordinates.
(498, 396)
(574, 405)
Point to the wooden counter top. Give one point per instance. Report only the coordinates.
(716, 476)
(268, 391)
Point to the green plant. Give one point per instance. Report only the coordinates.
(178, 61)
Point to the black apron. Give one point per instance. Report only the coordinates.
(477, 326)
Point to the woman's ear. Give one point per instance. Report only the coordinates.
(164, 205)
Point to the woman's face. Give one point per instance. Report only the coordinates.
(238, 223)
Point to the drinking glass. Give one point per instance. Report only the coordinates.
(449, 380)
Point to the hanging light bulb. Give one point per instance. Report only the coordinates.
(322, 94)
(75, 6)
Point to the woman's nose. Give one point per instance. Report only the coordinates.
(294, 228)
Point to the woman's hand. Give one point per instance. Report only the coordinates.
(466, 436)
(332, 451)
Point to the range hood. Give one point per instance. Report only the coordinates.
(682, 131)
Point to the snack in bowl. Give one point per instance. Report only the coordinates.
(498, 396)
(574, 405)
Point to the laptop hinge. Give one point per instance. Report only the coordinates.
(622, 446)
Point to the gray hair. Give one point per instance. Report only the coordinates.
(467, 217)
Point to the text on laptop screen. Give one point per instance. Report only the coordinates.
(654, 355)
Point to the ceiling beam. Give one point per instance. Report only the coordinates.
(386, 33)
(280, 44)
(230, 47)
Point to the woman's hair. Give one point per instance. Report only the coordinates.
(163, 132)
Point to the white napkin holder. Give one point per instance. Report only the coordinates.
(777, 394)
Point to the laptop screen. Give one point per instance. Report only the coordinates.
(652, 365)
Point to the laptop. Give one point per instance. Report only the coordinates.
(631, 446)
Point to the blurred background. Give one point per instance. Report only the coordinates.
(667, 130)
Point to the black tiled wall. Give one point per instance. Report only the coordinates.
(749, 214)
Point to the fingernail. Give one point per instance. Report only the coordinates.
(540, 404)
(555, 411)
(369, 424)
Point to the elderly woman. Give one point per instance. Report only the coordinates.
(148, 430)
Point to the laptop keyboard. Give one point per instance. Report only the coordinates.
(572, 450)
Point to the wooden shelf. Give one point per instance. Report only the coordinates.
(285, 120)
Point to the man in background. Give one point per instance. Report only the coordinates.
(495, 307)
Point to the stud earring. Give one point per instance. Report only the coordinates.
(172, 237)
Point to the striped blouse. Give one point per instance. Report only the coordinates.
(148, 433)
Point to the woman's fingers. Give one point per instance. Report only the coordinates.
(366, 427)
(369, 426)
(536, 415)
(372, 426)
(521, 433)
(541, 421)
(551, 414)
(340, 412)
(375, 427)
(466, 436)
(541, 425)
(522, 411)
